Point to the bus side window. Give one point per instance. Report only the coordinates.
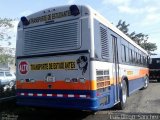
(123, 50)
(139, 59)
(131, 56)
(144, 61)
(127, 54)
(136, 58)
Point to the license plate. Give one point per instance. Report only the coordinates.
(50, 79)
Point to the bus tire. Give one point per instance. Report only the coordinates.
(123, 96)
(146, 82)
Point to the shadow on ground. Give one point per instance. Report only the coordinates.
(29, 113)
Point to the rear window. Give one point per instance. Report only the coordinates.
(8, 74)
(1, 74)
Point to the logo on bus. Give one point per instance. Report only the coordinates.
(82, 63)
(23, 67)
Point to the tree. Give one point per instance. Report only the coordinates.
(150, 47)
(123, 26)
(5, 25)
(6, 54)
(140, 38)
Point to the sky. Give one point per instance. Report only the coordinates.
(142, 15)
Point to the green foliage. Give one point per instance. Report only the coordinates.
(6, 22)
(149, 46)
(139, 38)
(5, 25)
(123, 26)
(7, 55)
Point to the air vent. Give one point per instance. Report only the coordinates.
(104, 42)
(52, 38)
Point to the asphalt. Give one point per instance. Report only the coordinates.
(143, 104)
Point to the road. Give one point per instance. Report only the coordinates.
(143, 104)
(145, 101)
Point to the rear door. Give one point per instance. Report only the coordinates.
(115, 67)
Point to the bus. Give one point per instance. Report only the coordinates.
(154, 69)
(72, 57)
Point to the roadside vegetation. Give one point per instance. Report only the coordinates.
(139, 38)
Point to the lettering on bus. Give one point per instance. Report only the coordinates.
(129, 72)
(50, 17)
(70, 65)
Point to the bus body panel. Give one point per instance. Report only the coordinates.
(57, 81)
(58, 67)
(135, 76)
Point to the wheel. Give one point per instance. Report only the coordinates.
(11, 83)
(146, 82)
(123, 96)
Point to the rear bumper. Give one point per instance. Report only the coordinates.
(70, 103)
(72, 99)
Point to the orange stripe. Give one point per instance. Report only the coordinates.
(62, 85)
(144, 71)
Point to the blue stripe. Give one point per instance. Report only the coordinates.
(82, 104)
(135, 85)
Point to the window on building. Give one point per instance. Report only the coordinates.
(8, 74)
(1, 74)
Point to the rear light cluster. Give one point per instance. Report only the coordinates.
(75, 80)
(27, 80)
(103, 80)
(52, 79)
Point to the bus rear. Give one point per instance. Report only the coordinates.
(53, 59)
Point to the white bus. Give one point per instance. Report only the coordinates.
(72, 57)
